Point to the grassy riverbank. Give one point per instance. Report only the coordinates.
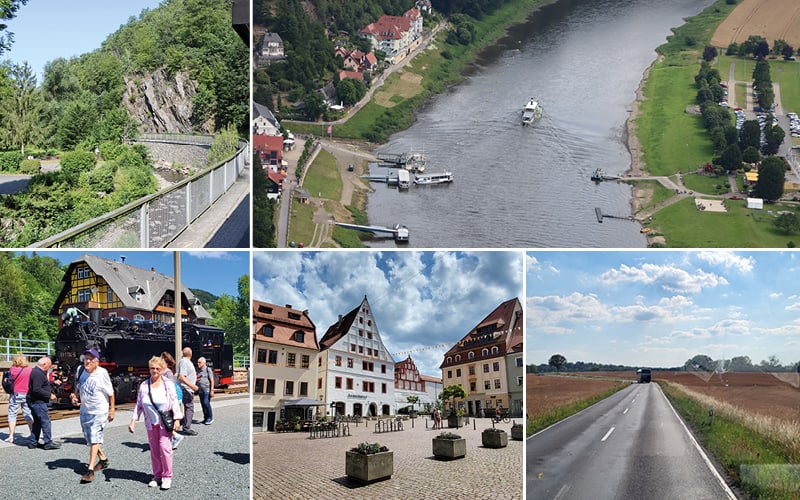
(674, 141)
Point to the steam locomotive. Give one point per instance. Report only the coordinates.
(126, 346)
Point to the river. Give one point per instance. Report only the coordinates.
(523, 187)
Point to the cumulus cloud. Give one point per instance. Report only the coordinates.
(728, 260)
(667, 277)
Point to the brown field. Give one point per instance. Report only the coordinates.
(545, 392)
(772, 19)
(774, 395)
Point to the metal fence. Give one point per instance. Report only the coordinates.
(32, 349)
(241, 361)
(157, 219)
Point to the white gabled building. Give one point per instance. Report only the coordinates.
(356, 371)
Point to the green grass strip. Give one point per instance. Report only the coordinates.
(760, 465)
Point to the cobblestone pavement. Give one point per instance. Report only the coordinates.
(214, 463)
(290, 465)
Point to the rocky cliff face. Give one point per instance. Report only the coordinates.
(163, 104)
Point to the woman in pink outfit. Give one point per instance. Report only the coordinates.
(156, 393)
(21, 372)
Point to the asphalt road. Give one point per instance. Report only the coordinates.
(631, 445)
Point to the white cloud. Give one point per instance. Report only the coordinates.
(670, 278)
(728, 260)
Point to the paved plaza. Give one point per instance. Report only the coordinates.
(214, 463)
(291, 465)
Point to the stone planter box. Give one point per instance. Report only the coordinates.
(492, 439)
(369, 468)
(449, 449)
(516, 432)
(455, 422)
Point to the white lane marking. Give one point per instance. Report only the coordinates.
(626, 411)
(713, 469)
(563, 491)
(607, 434)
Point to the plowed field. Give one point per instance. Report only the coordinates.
(772, 19)
(545, 392)
(768, 394)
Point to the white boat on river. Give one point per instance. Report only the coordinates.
(439, 178)
(531, 112)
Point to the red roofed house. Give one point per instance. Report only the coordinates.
(408, 381)
(395, 35)
(269, 149)
(284, 367)
(276, 179)
(478, 361)
(355, 75)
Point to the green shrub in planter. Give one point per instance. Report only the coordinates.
(369, 462)
(494, 438)
(448, 445)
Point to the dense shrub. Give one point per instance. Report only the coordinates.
(111, 150)
(9, 161)
(30, 167)
(76, 162)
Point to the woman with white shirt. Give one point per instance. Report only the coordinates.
(157, 393)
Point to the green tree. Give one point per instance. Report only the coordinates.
(700, 362)
(750, 135)
(263, 209)
(731, 159)
(76, 125)
(451, 393)
(771, 176)
(751, 155)
(232, 314)
(22, 110)
(314, 105)
(774, 136)
(787, 222)
(225, 145)
(8, 10)
(557, 361)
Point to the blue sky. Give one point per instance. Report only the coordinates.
(660, 308)
(419, 299)
(213, 271)
(48, 29)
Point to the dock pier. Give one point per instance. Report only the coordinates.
(398, 232)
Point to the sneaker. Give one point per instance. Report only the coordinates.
(189, 432)
(101, 464)
(52, 446)
(176, 440)
(33, 444)
(209, 422)
(88, 477)
(166, 483)
(153, 483)
(9, 439)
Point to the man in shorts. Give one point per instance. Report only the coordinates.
(96, 394)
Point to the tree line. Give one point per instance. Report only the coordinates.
(736, 146)
(700, 362)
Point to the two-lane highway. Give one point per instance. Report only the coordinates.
(631, 445)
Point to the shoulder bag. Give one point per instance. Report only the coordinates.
(167, 418)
